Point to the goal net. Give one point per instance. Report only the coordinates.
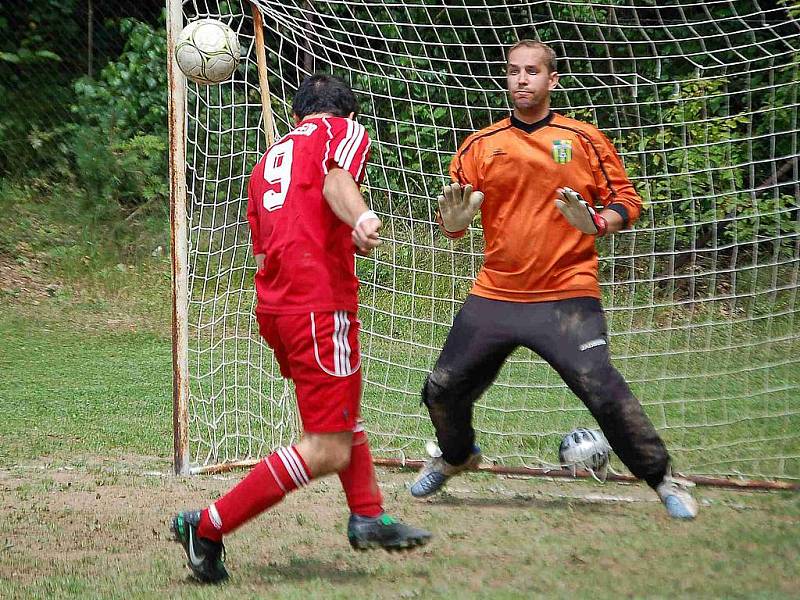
(701, 99)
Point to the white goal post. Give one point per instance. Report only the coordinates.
(702, 101)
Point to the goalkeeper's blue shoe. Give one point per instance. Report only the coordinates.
(676, 497)
(384, 532)
(205, 556)
(436, 471)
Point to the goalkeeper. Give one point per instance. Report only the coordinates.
(536, 176)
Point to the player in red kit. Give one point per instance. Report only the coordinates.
(307, 219)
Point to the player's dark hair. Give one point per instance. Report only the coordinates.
(321, 93)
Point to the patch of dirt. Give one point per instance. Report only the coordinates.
(59, 516)
(23, 281)
(105, 522)
(24, 285)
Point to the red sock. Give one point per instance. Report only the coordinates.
(358, 479)
(270, 480)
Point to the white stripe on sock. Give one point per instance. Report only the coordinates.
(289, 466)
(213, 514)
(275, 477)
(298, 464)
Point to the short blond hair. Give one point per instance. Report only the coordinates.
(549, 53)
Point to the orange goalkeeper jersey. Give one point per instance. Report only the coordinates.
(533, 254)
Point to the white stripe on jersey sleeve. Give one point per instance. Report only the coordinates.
(347, 148)
(348, 139)
(327, 156)
(363, 162)
(351, 153)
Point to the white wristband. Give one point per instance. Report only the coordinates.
(367, 214)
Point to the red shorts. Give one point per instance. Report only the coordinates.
(320, 353)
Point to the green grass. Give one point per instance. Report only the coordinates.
(65, 392)
(85, 394)
(85, 364)
(718, 377)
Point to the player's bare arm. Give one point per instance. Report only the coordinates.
(614, 221)
(345, 199)
(458, 206)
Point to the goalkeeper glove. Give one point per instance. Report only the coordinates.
(458, 206)
(580, 215)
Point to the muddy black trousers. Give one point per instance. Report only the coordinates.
(571, 335)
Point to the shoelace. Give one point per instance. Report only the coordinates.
(435, 464)
(680, 482)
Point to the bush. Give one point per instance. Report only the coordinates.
(118, 140)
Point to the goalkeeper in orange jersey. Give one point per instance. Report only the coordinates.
(537, 178)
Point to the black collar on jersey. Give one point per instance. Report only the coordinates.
(531, 127)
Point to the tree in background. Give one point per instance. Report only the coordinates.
(85, 91)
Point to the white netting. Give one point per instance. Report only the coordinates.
(701, 99)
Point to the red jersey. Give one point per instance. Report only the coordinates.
(310, 256)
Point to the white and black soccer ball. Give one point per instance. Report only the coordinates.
(585, 449)
(207, 51)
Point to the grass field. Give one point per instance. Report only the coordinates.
(719, 376)
(86, 487)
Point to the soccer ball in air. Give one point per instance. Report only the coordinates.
(585, 449)
(207, 51)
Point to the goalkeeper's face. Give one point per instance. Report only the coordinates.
(529, 80)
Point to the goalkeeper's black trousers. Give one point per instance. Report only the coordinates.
(571, 335)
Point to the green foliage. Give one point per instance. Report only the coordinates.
(118, 139)
(120, 175)
(38, 42)
(694, 153)
(778, 104)
(793, 6)
(28, 128)
(130, 95)
(114, 146)
(26, 56)
(695, 178)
